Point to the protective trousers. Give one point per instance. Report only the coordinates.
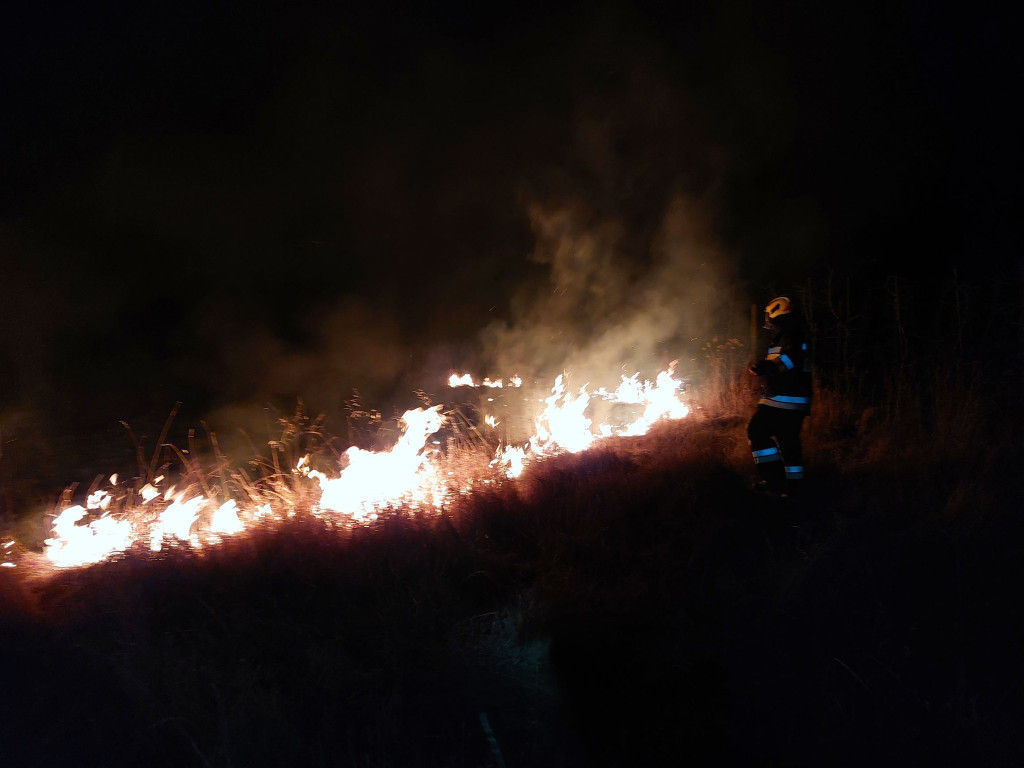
(774, 436)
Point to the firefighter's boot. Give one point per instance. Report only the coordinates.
(771, 478)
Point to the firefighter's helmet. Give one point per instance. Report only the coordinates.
(777, 307)
(780, 305)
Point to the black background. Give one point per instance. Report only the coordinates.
(225, 202)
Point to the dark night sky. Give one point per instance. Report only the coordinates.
(229, 203)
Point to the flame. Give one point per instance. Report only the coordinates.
(466, 380)
(374, 480)
(661, 400)
(563, 423)
(225, 519)
(513, 458)
(366, 483)
(177, 520)
(74, 544)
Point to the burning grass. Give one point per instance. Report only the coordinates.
(435, 457)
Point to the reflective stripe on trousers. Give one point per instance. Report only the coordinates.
(766, 455)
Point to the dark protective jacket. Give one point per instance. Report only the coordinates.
(785, 372)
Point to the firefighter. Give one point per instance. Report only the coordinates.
(785, 375)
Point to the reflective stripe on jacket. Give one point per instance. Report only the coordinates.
(787, 382)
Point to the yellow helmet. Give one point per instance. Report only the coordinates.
(777, 307)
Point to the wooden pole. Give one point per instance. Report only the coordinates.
(753, 332)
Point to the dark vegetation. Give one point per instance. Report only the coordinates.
(633, 605)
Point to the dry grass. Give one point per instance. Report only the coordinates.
(632, 605)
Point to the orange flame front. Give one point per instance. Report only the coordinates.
(408, 474)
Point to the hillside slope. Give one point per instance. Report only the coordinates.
(633, 605)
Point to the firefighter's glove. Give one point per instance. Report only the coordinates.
(761, 368)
